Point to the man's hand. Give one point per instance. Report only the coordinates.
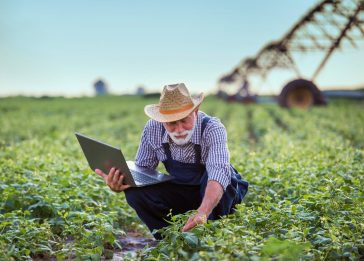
(213, 194)
(199, 218)
(114, 179)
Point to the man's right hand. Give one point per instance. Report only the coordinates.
(114, 179)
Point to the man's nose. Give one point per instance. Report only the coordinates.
(179, 127)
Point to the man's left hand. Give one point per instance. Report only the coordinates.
(199, 218)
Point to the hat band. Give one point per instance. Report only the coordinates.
(184, 108)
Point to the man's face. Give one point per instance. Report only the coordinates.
(181, 131)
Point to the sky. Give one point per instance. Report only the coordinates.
(62, 47)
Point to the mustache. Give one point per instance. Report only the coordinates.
(182, 133)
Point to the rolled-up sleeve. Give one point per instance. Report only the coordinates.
(146, 156)
(218, 158)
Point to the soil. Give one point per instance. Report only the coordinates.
(131, 244)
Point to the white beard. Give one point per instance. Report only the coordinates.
(189, 133)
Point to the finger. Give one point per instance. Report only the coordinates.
(120, 183)
(116, 176)
(119, 188)
(112, 171)
(111, 175)
(190, 224)
(121, 179)
(124, 187)
(100, 173)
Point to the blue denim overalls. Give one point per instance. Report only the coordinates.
(185, 192)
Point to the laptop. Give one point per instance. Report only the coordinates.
(103, 156)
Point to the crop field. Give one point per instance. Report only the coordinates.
(305, 169)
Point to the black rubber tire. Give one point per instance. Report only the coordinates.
(300, 93)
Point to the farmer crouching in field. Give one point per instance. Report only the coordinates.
(193, 149)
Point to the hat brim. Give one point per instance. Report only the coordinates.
(152, 111)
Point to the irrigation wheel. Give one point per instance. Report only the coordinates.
(300, 93)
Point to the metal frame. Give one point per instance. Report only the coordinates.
(326, 27)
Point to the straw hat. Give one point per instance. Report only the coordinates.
(175, 104)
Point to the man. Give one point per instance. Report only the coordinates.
(193, 149)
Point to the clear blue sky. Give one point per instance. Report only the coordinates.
(61, 47)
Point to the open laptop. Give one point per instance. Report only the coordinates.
(103, 156)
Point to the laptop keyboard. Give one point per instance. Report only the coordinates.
(142, 178)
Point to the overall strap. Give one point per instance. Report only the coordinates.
(166, 145)
(167, 150)
(197, 148)
(205, 120)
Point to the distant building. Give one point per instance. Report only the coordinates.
(100, 88)
(140, 91)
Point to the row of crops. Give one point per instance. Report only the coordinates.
(305, 170)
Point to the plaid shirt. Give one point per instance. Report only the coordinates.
(214, 150)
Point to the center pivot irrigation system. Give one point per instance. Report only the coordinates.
(327, 27)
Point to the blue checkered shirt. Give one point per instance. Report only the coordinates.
(214, 150)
